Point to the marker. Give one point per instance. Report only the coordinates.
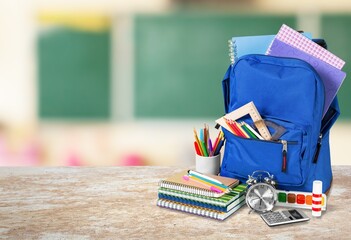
(221, 187)
(208, 179)
(212, 188)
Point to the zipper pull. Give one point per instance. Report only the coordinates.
(318, 148)
(285, 153)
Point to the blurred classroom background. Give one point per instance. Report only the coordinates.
(112, 82)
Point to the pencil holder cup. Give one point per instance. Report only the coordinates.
(209, 165)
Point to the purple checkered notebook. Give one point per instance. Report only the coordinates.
(297, 40)
(332, 77)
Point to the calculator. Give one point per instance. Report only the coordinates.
(284, 217)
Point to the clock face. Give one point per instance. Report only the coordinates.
(261, 197)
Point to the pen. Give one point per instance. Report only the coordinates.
(208, 179)
(212, 188)
(221, 187)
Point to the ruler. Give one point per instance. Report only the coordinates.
(250, 109)
(278, 130)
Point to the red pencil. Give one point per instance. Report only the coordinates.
(234, 127)
(197, 149)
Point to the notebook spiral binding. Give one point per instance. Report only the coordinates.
(232, 51)
(187, 208)
(188, 189)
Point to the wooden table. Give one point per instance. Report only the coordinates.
(120, 203)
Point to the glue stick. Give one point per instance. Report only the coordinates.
(317, 198)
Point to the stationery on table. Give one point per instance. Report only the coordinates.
(331, 76)
(177, 182)
(225, 201)
(204, 145)
(180, 192)
(205, 212)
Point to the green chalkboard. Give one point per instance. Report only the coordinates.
(74, 74)
(180, 60)
(337, 33)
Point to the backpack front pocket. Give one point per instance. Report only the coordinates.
(283, 158)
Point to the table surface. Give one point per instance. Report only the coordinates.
(120, 203)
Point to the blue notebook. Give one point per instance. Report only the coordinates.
(240, 46)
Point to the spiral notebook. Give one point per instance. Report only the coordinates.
(176, 182)
(222, 201)
(201, 211)
(243, 45)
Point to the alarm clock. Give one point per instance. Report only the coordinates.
(261, 195)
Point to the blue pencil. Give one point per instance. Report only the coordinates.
(219, 146)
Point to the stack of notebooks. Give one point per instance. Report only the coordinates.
(192, 197)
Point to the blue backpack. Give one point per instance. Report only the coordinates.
(290, 93)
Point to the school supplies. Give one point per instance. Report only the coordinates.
(247, 109)
(203, 143)
(177, 182)
(272, 84)
(295, 199)
(331, 76)
(206, 185)
(188, 191)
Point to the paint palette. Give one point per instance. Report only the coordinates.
(298, 199)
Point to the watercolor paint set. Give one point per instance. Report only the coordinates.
(298, 200)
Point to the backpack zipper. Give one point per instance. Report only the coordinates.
(284, 153)
(318, 148)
